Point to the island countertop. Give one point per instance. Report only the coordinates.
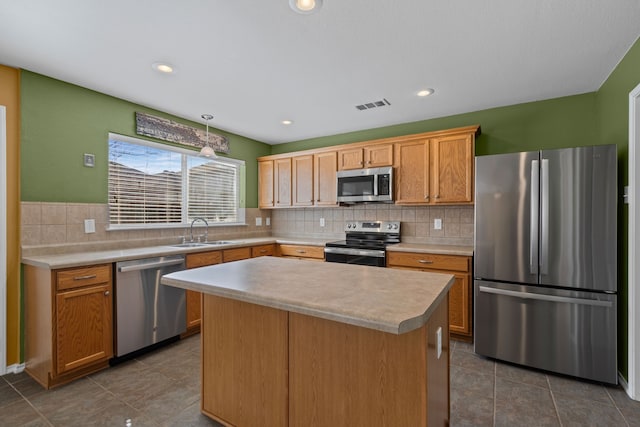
(384, 299)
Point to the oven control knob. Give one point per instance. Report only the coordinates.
(395, 226)
(388, 226)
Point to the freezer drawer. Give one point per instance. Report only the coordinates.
(567, 332)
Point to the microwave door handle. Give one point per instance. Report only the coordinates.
(375, 184)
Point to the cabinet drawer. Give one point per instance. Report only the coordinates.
(236, 254)
(78, 277)
(302, 251)
(203, 258)
(262, 250)
(428, 261)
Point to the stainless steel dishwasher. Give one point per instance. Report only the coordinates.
(146, 311)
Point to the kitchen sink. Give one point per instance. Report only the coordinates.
(189, 245)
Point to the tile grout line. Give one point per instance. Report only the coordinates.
(31, 404)
(553, 400)
(616, 406)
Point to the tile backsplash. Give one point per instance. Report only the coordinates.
(417, 222)
(45, 224)
(61, 225)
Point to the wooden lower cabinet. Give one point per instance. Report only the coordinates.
(460, 295)
(267, 367)
(202, 259)
(68, 322)
(313, 253)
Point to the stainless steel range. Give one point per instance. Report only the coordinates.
(365, 243)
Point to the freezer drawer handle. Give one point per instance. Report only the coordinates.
(543, 297)
(150, 265)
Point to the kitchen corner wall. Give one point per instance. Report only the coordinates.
(416, 222)
(49, 227)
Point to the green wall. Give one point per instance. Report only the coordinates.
(613, 119)
(555, 123)
(61, 122)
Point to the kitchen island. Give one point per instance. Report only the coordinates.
(292, 343)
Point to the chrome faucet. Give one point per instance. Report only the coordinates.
(206, 230)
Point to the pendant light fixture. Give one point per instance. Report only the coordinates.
(305, 7)
(207, 150)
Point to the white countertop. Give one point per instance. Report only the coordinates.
(384, 299)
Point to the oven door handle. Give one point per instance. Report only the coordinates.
(353, 251)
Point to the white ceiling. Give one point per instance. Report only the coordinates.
(254, 63)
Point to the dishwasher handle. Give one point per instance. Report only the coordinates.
(148, 265)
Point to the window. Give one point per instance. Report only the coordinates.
(156, 185)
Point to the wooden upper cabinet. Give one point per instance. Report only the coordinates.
(412, 172)
(265, 184)
(374, 156)
(452, 169)
(302, 180)
(378, 156)
(282, 182)
(324, 182)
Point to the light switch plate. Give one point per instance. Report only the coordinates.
(268, 221)
(89, 160)
(258, 221)
(89, 226)
(321, 222)
(437, 224)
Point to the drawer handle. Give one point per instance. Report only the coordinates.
(88, 276)
(301, 251)
(425, 261)
(106, 293)
(263, 251)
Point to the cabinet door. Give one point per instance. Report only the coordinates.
(325, 185)
(302, 180)
(265, 184)
(193, 298)
(83, 327)
(377, 156)
(282, 182)
(460, 305)
(352, 158)
(412, 172)
(452, 166)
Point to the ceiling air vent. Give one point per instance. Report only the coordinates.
(375, 104)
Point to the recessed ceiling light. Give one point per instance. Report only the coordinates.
(287, 122)
(426, 92)
(305, 7)
(163, 67)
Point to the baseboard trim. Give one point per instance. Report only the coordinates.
(16, 368)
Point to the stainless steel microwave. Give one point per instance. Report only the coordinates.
(365, 185)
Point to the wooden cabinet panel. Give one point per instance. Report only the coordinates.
(412, 172)
(325, 183)
(302, 180)
(201, 259)
(460, 300)
(263, 250)
(236, 254)
(265, 184)
(428, 261)
(282, 182)
(78, 277)
(244, 363)
(452, 161)
(350, 158)
(83, 327)
(378, 156)
(301, 251)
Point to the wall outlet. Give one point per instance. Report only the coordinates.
(258, 221)
(268, 221)
(437, 224)
(89, 226)
(439, 341)
(89, 160)
(321, 222)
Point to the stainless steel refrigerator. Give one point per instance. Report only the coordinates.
(545, 260)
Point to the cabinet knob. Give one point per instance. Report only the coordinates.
(318, 200)
(437, 196)
(107, 293)
(426, 197)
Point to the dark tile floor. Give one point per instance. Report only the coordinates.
(162, 389)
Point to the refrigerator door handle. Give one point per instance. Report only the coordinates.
(544, 297)
(544, 213)
(533, 227)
